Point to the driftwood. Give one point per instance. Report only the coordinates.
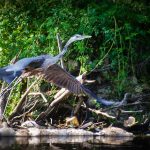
(86, 125)
(81, 100)
(27, 112)
(100, 113)
(130, 112)
(4, 96)
(60, 49)
(39, 93)
(19, 106)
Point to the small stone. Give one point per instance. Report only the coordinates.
(114, 131)
(7, 132)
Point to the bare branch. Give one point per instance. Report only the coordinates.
(60, 49)
(18, 107)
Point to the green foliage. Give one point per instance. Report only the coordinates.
(120, 33)
(13, 99)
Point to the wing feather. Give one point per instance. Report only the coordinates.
(55, 74)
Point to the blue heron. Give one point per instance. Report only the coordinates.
(10, 72)
(46, 66)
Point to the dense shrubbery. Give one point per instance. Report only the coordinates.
(120, 33)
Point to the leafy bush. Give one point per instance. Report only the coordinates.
(120, 33)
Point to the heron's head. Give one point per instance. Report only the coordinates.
(78, 37)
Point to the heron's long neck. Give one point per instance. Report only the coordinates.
(60, 55)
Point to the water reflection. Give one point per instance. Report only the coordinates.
(73, 142)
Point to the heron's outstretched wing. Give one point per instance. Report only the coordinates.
(55, 74)
(10, 72)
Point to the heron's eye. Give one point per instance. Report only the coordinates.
(77, 36)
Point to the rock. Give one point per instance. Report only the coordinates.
(66, 132)
(7, 132)
(114, 131)
(34, 131)
(22, 132)
(30, 124)
(112, 140)
(129, 122)
(72, 121)
(139, 128)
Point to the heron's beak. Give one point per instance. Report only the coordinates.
(87, 36)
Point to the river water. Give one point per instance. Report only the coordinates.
(75, 143)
